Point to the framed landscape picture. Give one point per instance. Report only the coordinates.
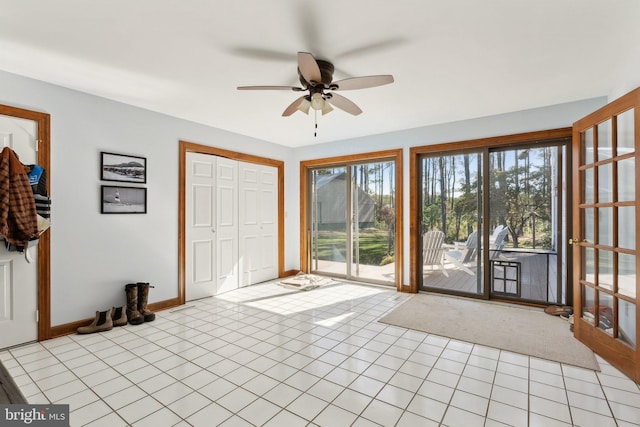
(123, 168)
(123, 200)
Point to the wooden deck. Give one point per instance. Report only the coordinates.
(538, 276)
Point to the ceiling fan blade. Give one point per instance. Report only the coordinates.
(309, 67)
(344, 104)
(257, 53)
(293, 88)
(309, 20)
(362, 82)
(372, 47)
(293, 107)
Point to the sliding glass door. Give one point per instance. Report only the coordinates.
(493, 221)
(353, 217)
(329, 225)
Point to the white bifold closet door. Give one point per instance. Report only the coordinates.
(258, 223)
(231, 224)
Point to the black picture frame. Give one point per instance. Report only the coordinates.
(123, 168)
(123, 200)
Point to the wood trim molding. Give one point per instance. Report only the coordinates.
(71, 327)
(445, 148)
(44, 244)
(306, 165)
(290, 273)
(185, 147)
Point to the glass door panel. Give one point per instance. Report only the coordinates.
(373, 210)
(526, 213)
(451, 197)
(329, 221)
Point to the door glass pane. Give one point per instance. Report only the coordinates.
(605, 183)
(627, 227)
(627, 322)
(589, 225)
(588, 196)
(588, 270)
(605, 226)
(451, 214)
(625, 132)
(627, 180)
(604, 141)
(588, 146)
(605, 313)
(605, 269)
(524, 198)
(627, 274)
(329, 221)
(373, 227)
(588, 304)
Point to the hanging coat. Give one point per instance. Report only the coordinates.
(18, 219)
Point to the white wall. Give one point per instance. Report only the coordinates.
(628, 77)
(93, 256)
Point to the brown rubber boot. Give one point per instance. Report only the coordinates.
(119, 316)
(143, 297)
(102, 322)
(134, 316)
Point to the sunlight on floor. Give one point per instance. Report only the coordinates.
(279, 300)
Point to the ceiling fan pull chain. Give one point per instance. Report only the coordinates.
(315, 115)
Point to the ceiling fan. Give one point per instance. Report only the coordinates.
(316, 77)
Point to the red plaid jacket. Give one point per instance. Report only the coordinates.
(18, 220)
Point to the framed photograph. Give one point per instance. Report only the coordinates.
(123, 168)
(123, 200)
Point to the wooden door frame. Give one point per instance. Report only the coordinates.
(388, 155)
(616, 352)
(192, 147)
(44, 243)
(447, 148)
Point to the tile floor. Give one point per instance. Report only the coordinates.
(269, 356)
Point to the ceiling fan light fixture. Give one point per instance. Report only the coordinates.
(304, 106)
(327, 108)
(317, 101)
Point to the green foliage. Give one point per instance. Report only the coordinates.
(373, 246)
(520, 189)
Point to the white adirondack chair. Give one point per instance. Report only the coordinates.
(433, 251)
(464, 255)
(497, 243)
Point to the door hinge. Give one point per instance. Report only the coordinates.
(37, 316)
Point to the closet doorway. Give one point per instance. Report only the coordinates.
(231, 218)
(24, 286)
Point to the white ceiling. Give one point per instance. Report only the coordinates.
(451, 59)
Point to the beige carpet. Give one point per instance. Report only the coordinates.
(507, 327)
